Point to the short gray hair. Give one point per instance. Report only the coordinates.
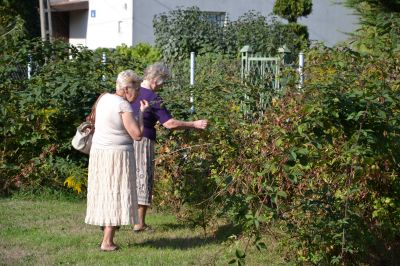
(126, 78)
(157, 71)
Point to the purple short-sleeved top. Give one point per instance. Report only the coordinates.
(153, 114)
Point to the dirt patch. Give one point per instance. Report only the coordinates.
(14, 256)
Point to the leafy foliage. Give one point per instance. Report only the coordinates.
(179, 32)
(292, 9)
(39, 115)
(136, 58)
(11, 29)
(323, 161)
(26, 11)
(264, 34)
(380, 26)
(300, 37)
(341, 159)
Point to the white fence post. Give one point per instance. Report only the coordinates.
(29, 66)
(301, 66)
(192, 66)
(104, 62)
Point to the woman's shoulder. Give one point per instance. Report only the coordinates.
(114, 97)
(107, 96)
(148, 94)
(113, 101)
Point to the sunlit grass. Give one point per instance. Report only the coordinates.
(53, 232)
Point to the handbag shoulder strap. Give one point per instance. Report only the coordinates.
(91, 118)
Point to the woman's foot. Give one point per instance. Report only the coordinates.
(141, 228)
(107, 244)
(104, 247)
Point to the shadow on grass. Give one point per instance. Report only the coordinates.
(221, 235)
(161, 227)
(178, 242)
(225, 231)
(173, 226)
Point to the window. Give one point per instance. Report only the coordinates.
(218, 18)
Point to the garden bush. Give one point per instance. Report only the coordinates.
(40, 115)
(322, 161)
(181, 31)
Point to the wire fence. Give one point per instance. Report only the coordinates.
(265, 72)
(24, 71)
(259, 70)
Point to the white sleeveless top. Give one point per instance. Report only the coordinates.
(110, 132)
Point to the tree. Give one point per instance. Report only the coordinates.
(11, 29)
(181, 31)
(292, 9)
(27, 10)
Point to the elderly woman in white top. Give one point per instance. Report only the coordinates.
(111, 196)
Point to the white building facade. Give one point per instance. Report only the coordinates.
(109, 23)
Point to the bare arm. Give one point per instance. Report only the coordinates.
(134, 128)
(177, 124)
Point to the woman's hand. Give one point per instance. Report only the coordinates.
(144, 105)
(200, 124)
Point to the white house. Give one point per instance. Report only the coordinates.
(108, 23)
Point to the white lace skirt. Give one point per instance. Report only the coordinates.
(111, 196)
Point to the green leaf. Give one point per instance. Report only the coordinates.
(381, 114)
(279, 142)
(294, 155)
(240, 254)
(249, 216)
(261, 246)
(232, 261)
(257, 224)
(281, 194)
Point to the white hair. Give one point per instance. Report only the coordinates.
(128, 78)
(158, 72)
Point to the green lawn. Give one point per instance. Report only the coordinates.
(53, 232)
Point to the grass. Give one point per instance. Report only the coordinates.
(53, 232)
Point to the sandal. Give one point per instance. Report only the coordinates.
(143, 229)
(112, 248)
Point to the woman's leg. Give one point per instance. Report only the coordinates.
(142, 217)
(144, 152)
(108, 239)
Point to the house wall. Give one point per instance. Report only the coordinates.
(328, 21)
(78, 21)
(60, 23)
(109, 23)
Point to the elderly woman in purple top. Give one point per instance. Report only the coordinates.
(154, 78)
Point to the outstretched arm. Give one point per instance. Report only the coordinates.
(177, 124)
